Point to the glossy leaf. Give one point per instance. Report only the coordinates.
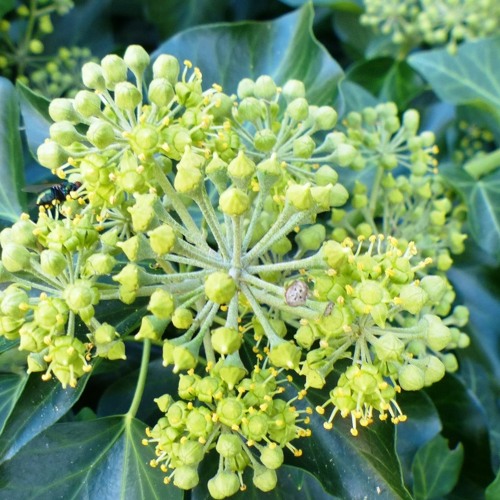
(493, 490)
(101, 458)
(40, 405)
(11, 386)
(284, 49)
(353, 97)
(12, 199)
(436, 469)
(482, 197)
(348, 5)
(471, 76)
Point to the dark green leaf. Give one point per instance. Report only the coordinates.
(353, 97)
(436, 469)
(6, 6)
(12, 199)
(493, 490)
(347, 5)
(34, 109)
(284, 49)
(101, 458)
(39, 406)
(471, 76)
(482, 197)
(11, 387)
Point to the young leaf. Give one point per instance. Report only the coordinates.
(436, 469)
(284, 49)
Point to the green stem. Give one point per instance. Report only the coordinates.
(482, 165)
(375, 191)
(312, 262)
(141, 381)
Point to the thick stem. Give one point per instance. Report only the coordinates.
(482, 165)
(141, 381)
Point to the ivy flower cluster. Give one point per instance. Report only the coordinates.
(212, 208)
(417, 207)
(445, 22)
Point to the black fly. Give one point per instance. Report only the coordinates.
(57, 194)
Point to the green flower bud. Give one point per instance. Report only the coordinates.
(269, 171)
(166, 66)
(412, 298)
(325, 118)
(116, 351)
(87, 103)
(137, 59)
(14, 301)
(228, 445)
(105, 334)
(162, 239)
(190, 452)
(250, 109)
(293, 89)
(164, 402)
(188, 180)
(80, 295)
(450, 362)
(411, 121)
(299, 195)
(99, 264)
(326, 175)
(264, 479)
(285, 355)
(231, 373)
(161, 304)
(345, 154)
(51, 155)
(64, 133)
(185, 357)
(220, 287)
(255, 427)
(305, 336)
(143, 212)
(265, 140)
(438, 334)
(129, 279)
(127, 96)
(303, 147)
(62, 110)
(52, 262)
(241, 169)
(182, 318)
(311, 238)
(444, 261)
(101, 134)
(435, 287)
(230, 411)
(160, 92)
(226, 340)
(186, 477)
(151, 328)
(265, 88)
(434, 370)
(389, 347)
(411, 378)
(245, 88)
(335, 254)
(15, 257)
(298, 109)
(36, 363)
(272, 456)
(234, 202)
(224, 484)
(92, 76)
(114, 70)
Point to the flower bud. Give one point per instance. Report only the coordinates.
(411, 121)
(137, 59)
(87, 103)
(438, 334)
(186, 477)
(345, 154)
(230, 411)
(224, 484)
(220, 287)
(114, 70)
(265, 88)
(325, 118)
(269, 171)
(228, 445)
(293, 89)
(325, 175)
(13, 302)
(434, 371)
(241, 169)
(305, 336)
(264, 140)
(101, 134)
(264, 479)
(226, 340)
(64, 133)
(51, 155)
(389, 347)
(311, 238)
(285, 355)
(450, 362)
(182, 318)
(161, 304)
(15, 257)
(162, 239)
(62, 109)
(412, 298)
(105, 334)
(299, 195)
(411, 378)
(245, 88)
(234, 202)
(151, 328)
(303, 147)
(185, 357)
(127, 96)
(52, 262)
(160, 92)
(92, 76)
(166, 66)
(249, 109)
(188, 180)
(298, 109)
(99, 264)
(335, 254)
(143, 212)
(272, 456)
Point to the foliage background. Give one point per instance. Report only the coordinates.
(74, 443)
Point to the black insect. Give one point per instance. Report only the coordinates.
(56, 194)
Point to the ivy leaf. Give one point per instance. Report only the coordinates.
(6, 6)
(101, 458)
(482, 197)
(347, 5)
(354, 97)
(284, 48)
(11, 386)
(471, 76)
(436, 469)
(40, 405)
(493, 490)
(12, 199)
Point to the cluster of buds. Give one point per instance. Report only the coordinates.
(240, 417)
(411, 208)
(210, 207)
(444, 22)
